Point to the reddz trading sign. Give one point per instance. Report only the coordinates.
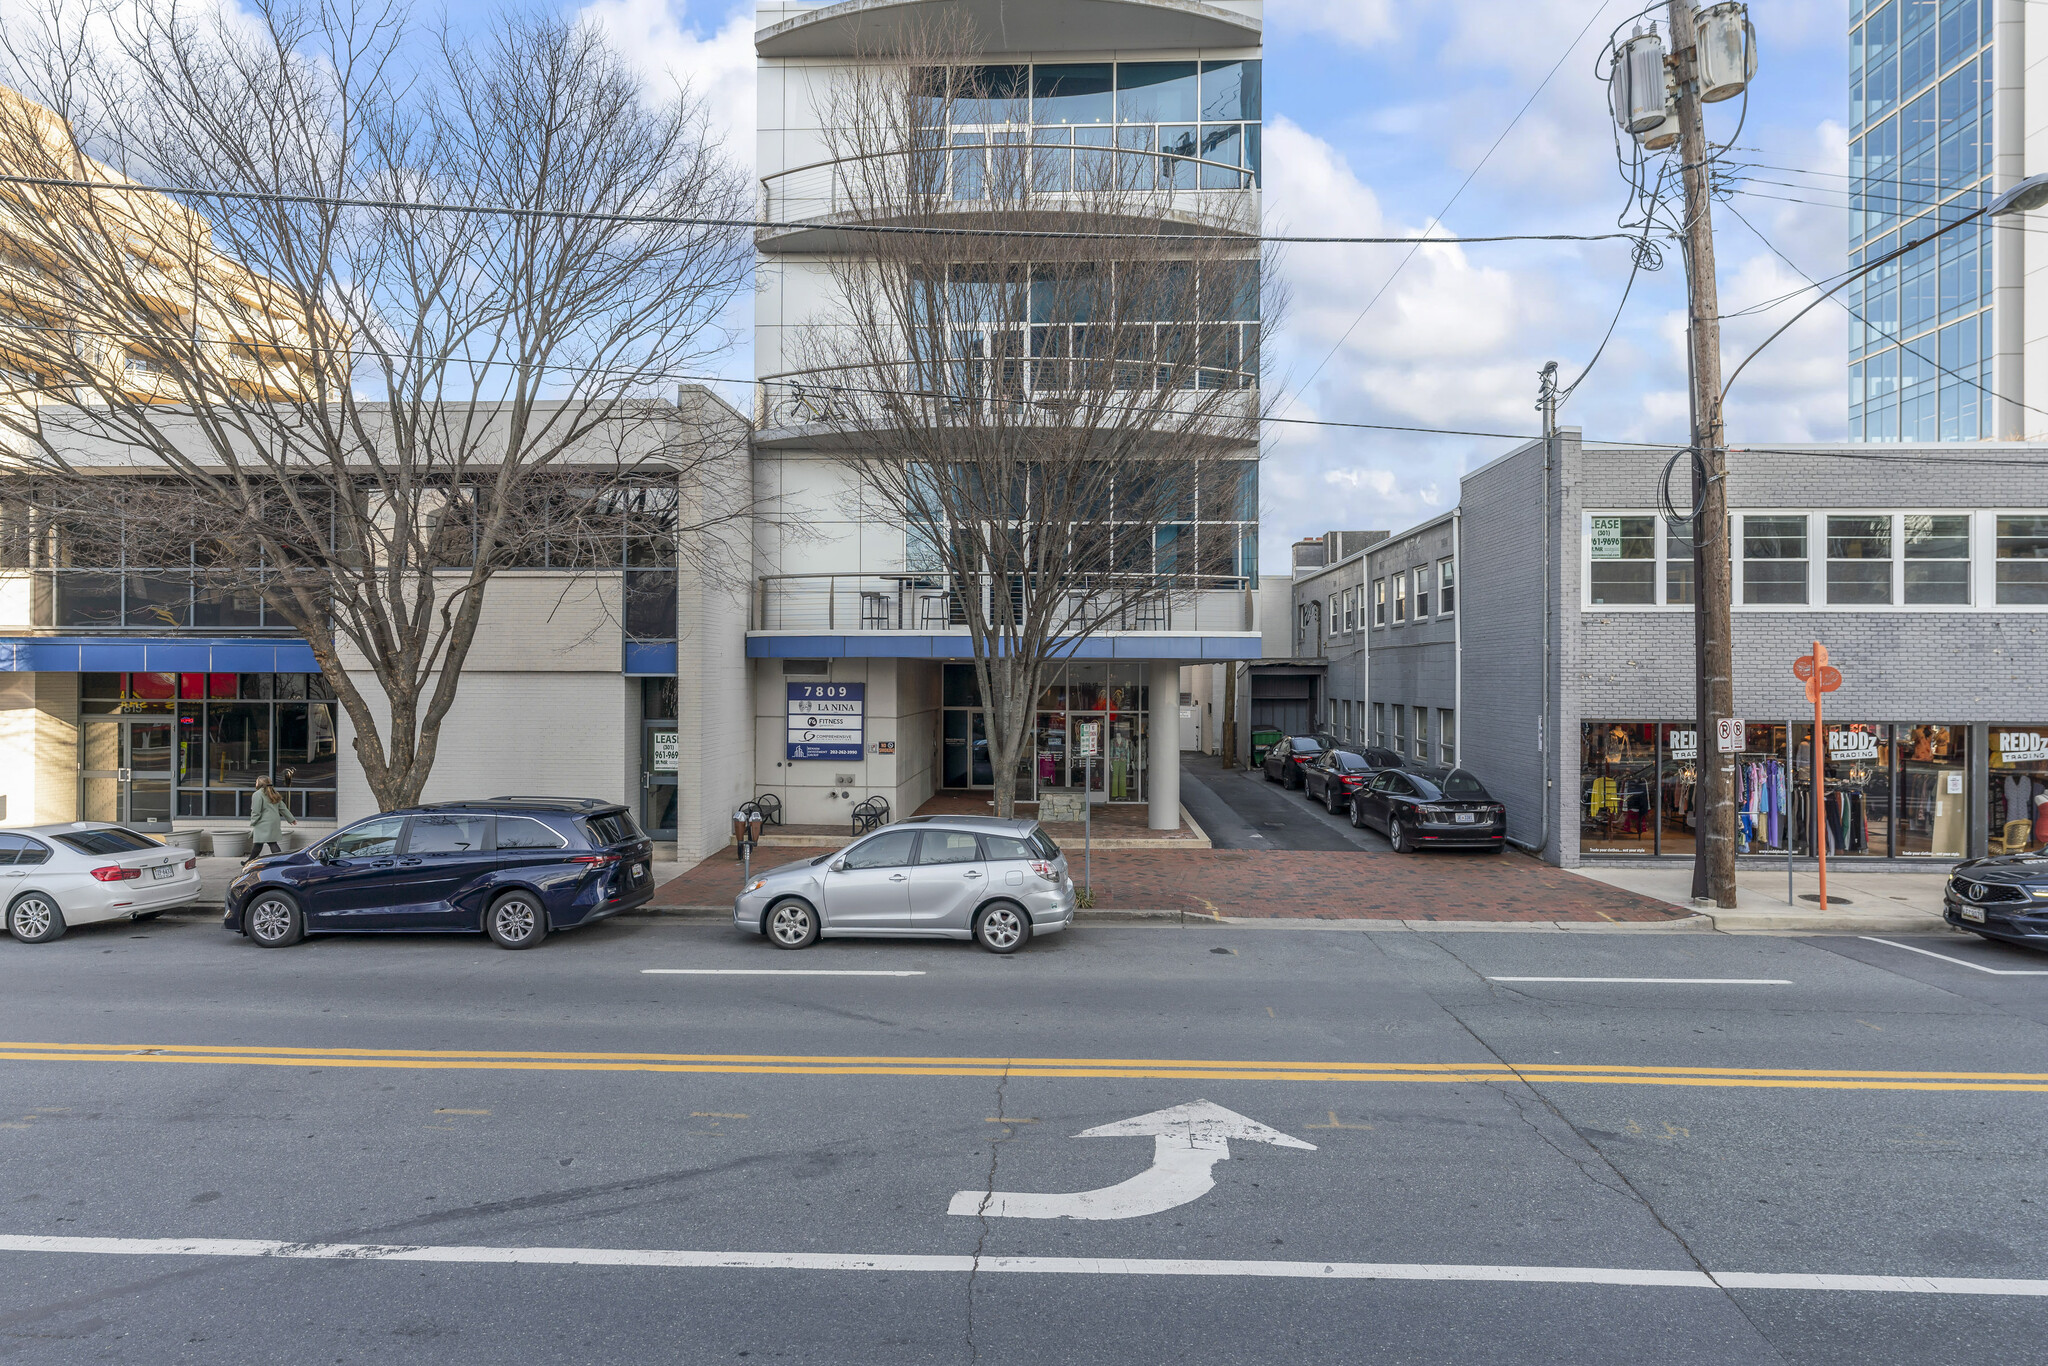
(825, 720)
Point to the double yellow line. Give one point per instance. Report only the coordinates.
(808, 1065)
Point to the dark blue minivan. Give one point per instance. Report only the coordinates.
(510, 867)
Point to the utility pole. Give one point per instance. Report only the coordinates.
(1713, 867)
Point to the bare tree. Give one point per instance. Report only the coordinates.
(1047, 372)
(349, 398)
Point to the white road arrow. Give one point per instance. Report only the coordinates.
(1187, 1142)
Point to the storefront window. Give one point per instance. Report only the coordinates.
(2019, 789)
(1617, 775)
(1859, 788)
(1933, 818)
(1680, 775)
(231, 730)
(1763, 793)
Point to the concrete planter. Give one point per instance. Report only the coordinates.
(185, 839)
(230, 843)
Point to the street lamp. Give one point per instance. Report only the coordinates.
(2031, 193)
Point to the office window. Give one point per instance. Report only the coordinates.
(1937, 559)
(1447, 736)
(1678, 565)
(1351, 609)
(1335, 623)
(1422, 734)
(1860, 560)
(1379, 602)
(1422, 593)
(1446, 587)
(1774, 563)
(2023, 561)
(1379, 724)
(1622, 568)
(1400, 729)
(1400, 598)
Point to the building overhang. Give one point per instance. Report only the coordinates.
(155, 654)
(1184, 647)
(868, 27)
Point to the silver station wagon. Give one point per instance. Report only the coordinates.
(997, 882)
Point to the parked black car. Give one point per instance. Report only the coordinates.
(1430, 806)
(2004, 897)
(510, 867)
(1286, 760)
(1337, 773)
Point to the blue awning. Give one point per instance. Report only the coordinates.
(154, 654)
(1189, 649)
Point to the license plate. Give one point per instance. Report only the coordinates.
(639, 871)
(1972, 914)
(169, 870)
(1466, 818)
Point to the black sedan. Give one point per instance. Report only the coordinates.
(1338, 773)
(2002, 897)
(1430, 807)
(1286, 760)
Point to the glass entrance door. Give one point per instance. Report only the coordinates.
(125, 773)
(659, 758)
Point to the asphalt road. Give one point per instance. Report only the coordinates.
(1465, 1130)
(1242, 810)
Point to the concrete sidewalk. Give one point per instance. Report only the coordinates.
(1859, 902)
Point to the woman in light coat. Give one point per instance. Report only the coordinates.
(268, 815)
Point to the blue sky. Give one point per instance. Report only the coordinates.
(1376, 111)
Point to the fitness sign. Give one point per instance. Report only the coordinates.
(826, 720)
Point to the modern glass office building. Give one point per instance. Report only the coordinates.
(1924, 345)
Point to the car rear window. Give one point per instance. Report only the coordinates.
(1351, 762)
(1306, 744)
(524, 832)
(110, 841)
(612, 827)
(1464, 785)
(1046, 848)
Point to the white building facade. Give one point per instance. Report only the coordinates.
(841, 613)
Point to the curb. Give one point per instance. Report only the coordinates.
(1164, 917)
(1825, 922)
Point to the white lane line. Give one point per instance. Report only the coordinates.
(1055, 1266)
(1959, 962)
(1664, 981)
(774, 972)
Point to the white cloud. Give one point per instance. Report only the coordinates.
(667, 43)
(1359, 23)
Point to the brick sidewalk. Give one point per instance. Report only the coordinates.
(1285, 884)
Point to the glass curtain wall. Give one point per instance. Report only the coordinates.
(231, 730)
(1920, 154)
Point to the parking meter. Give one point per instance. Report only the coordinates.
(746, 833)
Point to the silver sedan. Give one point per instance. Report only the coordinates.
(997, 882)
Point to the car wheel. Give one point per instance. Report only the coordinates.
(1357, 821)
(274, 920)
(1402, 844)
(791, 924)
(35, 919)
(1330, 799)
(1002, 927)
(516, 921)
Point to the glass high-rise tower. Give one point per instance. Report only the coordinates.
(1924, 345)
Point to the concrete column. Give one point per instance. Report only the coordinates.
(1162, 738)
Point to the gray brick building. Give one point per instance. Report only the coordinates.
(1924, 569)
(1410, 605)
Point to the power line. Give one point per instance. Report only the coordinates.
(682, 221)
(1388, 282)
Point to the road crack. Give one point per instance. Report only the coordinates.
(988, 1198)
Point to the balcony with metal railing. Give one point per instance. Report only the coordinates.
(1012, 179)
(918, 614)
(855, 27)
